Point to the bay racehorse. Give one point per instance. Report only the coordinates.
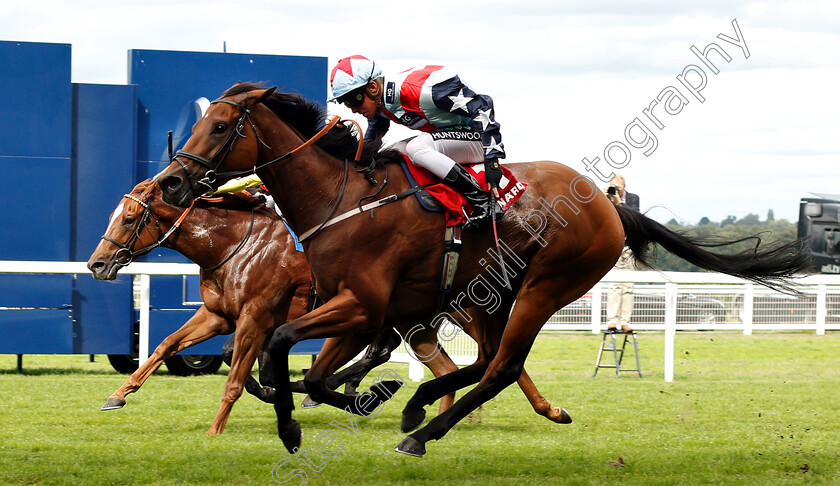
(563, 235)
(251, 280)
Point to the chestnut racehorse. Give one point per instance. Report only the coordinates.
(563, 236)
(260, 282)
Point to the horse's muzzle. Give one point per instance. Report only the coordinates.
(103, 270)
(177, 190)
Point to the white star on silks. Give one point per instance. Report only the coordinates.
(483, 117)
(460, 101)
(494, 145)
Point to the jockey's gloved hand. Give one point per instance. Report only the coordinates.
(492, 173)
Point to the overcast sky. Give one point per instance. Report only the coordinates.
(567, 78)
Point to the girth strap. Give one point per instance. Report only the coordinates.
(362, 209)
(451, 252)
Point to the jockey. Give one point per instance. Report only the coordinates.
(458, 124)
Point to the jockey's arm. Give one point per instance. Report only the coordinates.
(236, 185)
(478, 108)
(377, 128)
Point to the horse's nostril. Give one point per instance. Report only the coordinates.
(94, 266)
(170, 183)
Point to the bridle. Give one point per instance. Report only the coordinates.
(126, 253)
(216, 160)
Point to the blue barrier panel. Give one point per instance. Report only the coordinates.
(36, 291)
(36, 331)
(35, 151)
(104, 165)
(104, 158)
(103, 315)
(38, 314)
(35, 79)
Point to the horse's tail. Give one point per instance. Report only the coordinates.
(771, 266)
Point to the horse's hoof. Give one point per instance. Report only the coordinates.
(291, 436)
(113, 403)
(411, 419)
(411, 447)
(565, 418)
(309, 403)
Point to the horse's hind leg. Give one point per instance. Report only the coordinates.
(536, 303)
(486, 329)
(541, 405)
(427, 349)
(476, 328)
(252, 386)
(200, 327)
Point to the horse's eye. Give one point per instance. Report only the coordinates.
(220, 128)
(129, 220)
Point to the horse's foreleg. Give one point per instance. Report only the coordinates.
(541, 405)
(247, 343)
(316, 379)
(200, 327)
(341, 315)
(377, 353)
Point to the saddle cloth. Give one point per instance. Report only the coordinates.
(510, 190)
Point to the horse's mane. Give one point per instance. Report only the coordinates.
(307, 117)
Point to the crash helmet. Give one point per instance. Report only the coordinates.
(352, 73)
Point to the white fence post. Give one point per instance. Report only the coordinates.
(145, 312)
(596, 308)
(821, 308)
(415, 369)
(749, 293)
(670, 328)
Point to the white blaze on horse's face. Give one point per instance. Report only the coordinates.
(117, 213)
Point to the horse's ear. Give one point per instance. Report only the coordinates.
(266, 94)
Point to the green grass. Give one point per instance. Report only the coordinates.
(751, 410)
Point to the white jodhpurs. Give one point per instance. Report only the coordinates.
(439, 156)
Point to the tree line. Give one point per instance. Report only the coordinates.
(769, 231)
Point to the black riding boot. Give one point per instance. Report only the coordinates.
(462, 181)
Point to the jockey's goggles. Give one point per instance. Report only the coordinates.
(355, 98)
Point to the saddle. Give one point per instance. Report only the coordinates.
(448, 200)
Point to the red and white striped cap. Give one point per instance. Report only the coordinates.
(351, 73)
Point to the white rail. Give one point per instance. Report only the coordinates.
(143, 269)
(689, 301)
